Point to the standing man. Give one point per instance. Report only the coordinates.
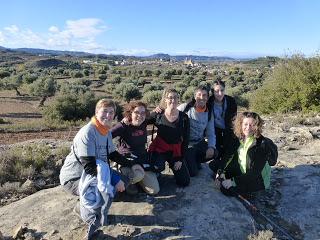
(224, 108)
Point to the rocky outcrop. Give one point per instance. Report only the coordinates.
(197, 212)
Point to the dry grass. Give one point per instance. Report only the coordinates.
(262, 235)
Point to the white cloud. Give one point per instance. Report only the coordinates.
(54, 29)
(79, 35)
(12, 29)
(84, 28)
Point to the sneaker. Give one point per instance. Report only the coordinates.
(132, 189)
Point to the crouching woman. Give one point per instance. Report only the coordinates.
(132, 145)
(248, 170)
(86, 170)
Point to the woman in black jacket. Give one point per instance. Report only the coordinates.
(224, 108)
(248, 169)
(172, 138)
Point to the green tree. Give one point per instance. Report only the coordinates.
(147, 73)
(127, 91)
(157, 73)
(188, 94)
(73, 103)
(152, 87)
(116, 79)
(4, 74)
(103, 77)
(44, 88)
(77, 74)
(153, 97)
(13, 83)
(86, 72)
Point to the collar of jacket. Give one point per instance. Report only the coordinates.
(101, 129)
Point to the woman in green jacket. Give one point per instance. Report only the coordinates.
(248, 170)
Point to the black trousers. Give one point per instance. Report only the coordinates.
(233, 170)
(196, 155)
(226, 144)
(181, 176)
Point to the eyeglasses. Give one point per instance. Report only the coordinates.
(172, 98)
(139, 113)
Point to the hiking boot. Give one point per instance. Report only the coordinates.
(132, 189)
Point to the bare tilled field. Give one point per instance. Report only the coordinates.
(10, 138)
(23, 121)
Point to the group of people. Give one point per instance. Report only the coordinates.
(206, 129)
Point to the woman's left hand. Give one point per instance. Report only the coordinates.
(158, 109)
(227, 183)
(177, 165)
(126, 121)
(120, 186)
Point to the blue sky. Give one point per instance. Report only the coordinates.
(141, 27)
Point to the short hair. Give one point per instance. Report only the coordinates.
(103, 103)
(201, 88)
(165, 93)
(237, 124)
(128, 109)
(219, 82)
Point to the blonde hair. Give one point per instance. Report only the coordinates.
(257, 127)
(103, 103)
(165, 94)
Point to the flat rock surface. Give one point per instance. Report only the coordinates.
(197, 212)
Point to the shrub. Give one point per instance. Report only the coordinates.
(127, 91)
(116, 80)
(152, 97)
(23, 162)
(237, 93)
(2, 121)
(181, 87)
(77, 74)
(102, 77)
(188, 94)
(4, 74)
(155, 86)
(73, 103)
(294, 85)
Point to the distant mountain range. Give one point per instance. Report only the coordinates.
(47, 52)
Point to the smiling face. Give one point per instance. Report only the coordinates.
(248, 127)
(218, 91)
(138, 115)
(172, 100)
(105, 116)
(201, 97)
